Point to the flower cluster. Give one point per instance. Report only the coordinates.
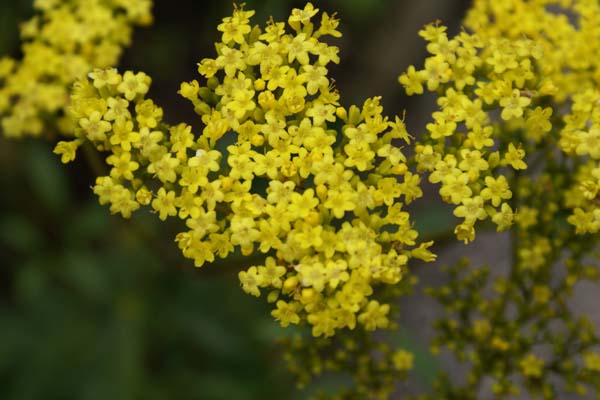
(279, 167)
(557, 352)
(478, 79)
(61, 44)
(374, 365)
(570, 41)
(519, 331)
(374, 361)
(580, 139)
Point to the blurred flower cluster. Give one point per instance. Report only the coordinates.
(61, 44)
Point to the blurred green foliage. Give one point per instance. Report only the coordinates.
(93, 307)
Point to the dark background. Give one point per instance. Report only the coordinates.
(96, 307)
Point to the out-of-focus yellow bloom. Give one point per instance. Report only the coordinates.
(66, 41)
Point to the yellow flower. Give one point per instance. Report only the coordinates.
(359, 154)
(374, 316)
(513, 105)
(123, 134)
(321, 112)
(403, 360)
(437, 71)
(471, 209)
(95, 127)
(105, 77)
(592, 361)
(532, 366)
(339, 202)
(412, 80)
(148, 114)
(589, 143)
(117, 109)
(303, 16)
(465, 232)
(122, 164)
(329, 24)
(231, 60)
(496, 190)
(250, 281)
(503, 218)
(134, 84)
(312, 274)
(235, 28)
(164, 204)
(322, 323)
(455, 187)
(315, 78)
(66, 150)
(164, 168)
(286, 313)
(514, 157)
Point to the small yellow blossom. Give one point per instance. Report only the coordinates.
(66, 150)
(403, 360)
(592, 361)
(375, 316)
(532, 366)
